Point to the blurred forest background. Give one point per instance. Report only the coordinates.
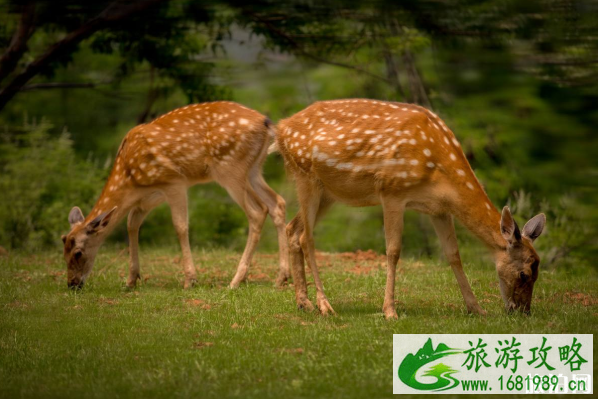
(515, 80)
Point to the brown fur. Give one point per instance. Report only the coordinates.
(157, 162)
(401, 156)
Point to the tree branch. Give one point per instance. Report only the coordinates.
(115, 12)
(62, 85)
(18, 42)
(392, 70)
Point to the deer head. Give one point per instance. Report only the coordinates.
(81, 244)
(517, 264)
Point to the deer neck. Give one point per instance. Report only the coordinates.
(113, 195)
(479, 216)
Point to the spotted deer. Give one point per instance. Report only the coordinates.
(401, 156)
(220, 141)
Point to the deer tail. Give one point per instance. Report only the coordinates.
(272, 132)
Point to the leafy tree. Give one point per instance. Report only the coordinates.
(40, 36)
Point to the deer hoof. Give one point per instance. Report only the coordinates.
(239, 277)
(390, 314)
(189, 283)
(325, 308)
(305, 304)
(235, 283)
(281, 279)
(132, 281)
(477, 309)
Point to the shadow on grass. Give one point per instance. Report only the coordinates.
(356, 308)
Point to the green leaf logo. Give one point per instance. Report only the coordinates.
(427, 354)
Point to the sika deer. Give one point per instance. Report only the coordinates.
(220, 141)
(402, 156)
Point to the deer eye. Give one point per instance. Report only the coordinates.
(523, 277)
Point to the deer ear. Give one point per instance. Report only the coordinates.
(508, 227)
(533, 228)
(101, 221)
(75, 216)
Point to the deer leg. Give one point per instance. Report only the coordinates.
(134, 221)
(445, 230)
(177, 200)
(256, 213)
(393, 232)
(310, 199)
(294, 232)
(277, 211)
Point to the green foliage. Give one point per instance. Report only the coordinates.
(568, 240)
(41, 178)
(519, 94)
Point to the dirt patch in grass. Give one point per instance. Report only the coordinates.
(198, 303)
(57, 274)
(580, 297)
(17, 305)
(360, 270)
(283, 316)
(108, 301)
(258, 275)
(201, 345)
(363, 256)
(22, 275)
(293, 351)
(414, 265)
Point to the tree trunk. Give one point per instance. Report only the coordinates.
(416, 84)
(18, 42)
(392, 72)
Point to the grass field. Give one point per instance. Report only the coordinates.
(210, 341)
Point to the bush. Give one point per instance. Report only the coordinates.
(40, 180)
(569, 238)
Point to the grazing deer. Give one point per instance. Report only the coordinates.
(402, 156)
(220, 141)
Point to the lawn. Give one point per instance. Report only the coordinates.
(210, 341)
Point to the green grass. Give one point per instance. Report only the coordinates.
(162, 341)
